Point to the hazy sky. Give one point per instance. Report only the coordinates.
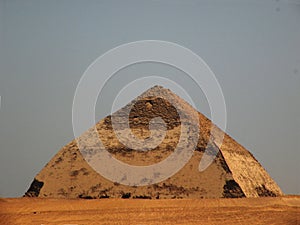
(253, 47)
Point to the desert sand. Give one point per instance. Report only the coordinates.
(265, 210)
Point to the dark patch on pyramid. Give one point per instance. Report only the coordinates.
(232, 190)
(234, 172)
(262, 191)
(34, 189)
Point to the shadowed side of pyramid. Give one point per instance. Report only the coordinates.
(233, 173)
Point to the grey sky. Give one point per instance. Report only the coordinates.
(253, 47)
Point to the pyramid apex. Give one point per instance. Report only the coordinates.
(157, 88)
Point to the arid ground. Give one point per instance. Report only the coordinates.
(279, 210)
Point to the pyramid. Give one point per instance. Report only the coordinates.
(233, 173)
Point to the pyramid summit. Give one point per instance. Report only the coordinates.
(233, 173)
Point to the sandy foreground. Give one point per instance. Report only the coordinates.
(280, 210)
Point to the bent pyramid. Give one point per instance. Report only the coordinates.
(233, 173)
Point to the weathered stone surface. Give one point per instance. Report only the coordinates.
(233, 173)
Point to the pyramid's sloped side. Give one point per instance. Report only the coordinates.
(233, 173)
(68, 175)
(247, 171)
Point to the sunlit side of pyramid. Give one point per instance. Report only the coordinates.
(233, 173)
